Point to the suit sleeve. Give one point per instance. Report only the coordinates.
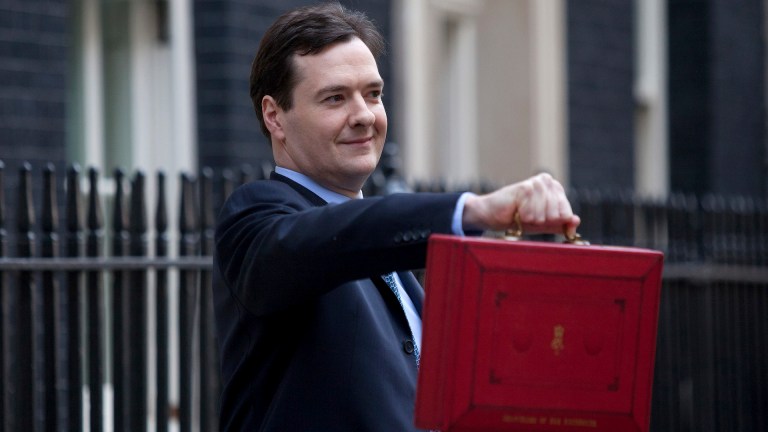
(274, 250)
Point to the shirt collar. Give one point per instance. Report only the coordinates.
(327, 195)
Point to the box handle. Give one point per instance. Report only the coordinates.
(516, 233)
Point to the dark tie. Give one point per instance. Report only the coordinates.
(389, 278)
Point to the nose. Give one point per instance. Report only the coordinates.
(360, 113)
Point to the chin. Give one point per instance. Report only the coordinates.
(364, 163)
(363, 172)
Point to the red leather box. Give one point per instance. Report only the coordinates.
(533, 336)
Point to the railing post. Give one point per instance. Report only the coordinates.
(120, 363)
(711, 210)
(246, 174)
(74, 352)
(95, 305)
(266, 169)
(139, 345)
(50, 298)
(654, 224)
(745, 231)
(5, 347)
(188, 246)
(23, 363)
(227, 183)
(761, 239)
(678, 230)
(161, 311)
(209, 388)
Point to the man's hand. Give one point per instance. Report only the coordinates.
(540, 201)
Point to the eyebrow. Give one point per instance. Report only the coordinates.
(335, 88)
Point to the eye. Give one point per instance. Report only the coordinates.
(376, 94)
(334, 98)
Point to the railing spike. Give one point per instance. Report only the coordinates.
(246, 173)
(119, 216)
(26, 213)
(266, 169)
(206, 202)
(161, 211)
(95, 215)
(73, 200)
(228, 183)
(50, 219)
(2, 196)
(3, 231)
(138, 211)
(188, 213)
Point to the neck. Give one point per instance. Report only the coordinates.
(329, 194)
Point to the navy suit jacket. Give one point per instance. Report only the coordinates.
(311, 339)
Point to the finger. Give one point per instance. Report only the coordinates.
(524, 194)
(564, 208)
(571, 226)
(556, 199)
(539, 201)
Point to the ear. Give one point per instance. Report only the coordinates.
(271, 112)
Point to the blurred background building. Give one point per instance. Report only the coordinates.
(652, 96)
(661, 99)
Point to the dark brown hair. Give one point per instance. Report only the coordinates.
(304, 31)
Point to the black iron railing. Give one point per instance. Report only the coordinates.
(74, 328)
(99, 313)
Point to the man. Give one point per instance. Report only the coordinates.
(318, 317)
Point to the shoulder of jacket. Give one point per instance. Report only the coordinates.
(260, 187)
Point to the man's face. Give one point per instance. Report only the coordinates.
(334, 133)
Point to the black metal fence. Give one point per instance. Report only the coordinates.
(104, 327)
(98, 319)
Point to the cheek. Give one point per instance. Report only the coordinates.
(381, 119)
(329, 124)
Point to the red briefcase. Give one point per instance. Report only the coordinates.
(529, 336)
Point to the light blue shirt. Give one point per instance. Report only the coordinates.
(332, 197)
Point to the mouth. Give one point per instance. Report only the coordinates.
(357, 141)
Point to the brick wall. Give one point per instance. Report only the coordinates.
(738, 98)
(227, 35)
(600, 102)
(34, 67)
(34, 43)
(717, 96)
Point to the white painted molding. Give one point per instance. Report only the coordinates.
(459, 7)
(651, 137)
(548, 99)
